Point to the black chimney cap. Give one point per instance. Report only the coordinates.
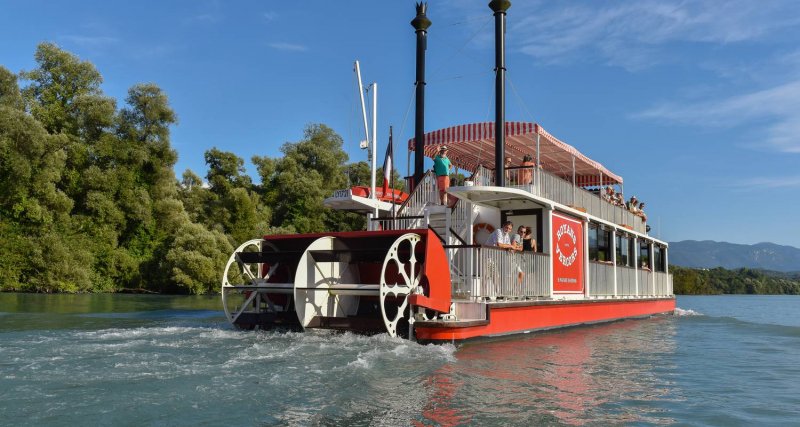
(421, 22)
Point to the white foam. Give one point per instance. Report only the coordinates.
(689, 312)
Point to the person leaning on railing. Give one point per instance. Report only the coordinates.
(528, 242)
(501, 238)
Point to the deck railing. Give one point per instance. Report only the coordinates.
(426, 192)
(481, 273)
(630, 282)
(551, 186)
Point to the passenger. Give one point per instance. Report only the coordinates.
(527, 171)
(633, 205)
(609, 195)
(641, 212)
(501, 238)
(441, 167)
(528, 242)
(510, 175)
(619, 200)
(517, 239)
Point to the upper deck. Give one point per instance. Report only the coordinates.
(560, 172)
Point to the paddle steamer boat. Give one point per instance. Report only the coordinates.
(422, 271)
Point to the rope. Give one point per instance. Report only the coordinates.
(405, 117)
(458, 50)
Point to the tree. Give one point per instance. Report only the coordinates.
(197, 257)
(57, 86)
(10, 95)
(295, 185)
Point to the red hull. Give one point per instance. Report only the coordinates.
(513, 318)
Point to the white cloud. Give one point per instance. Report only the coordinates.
(779, 106)
(270, 16)
(288, 47)
(766, 183)
(90, 41)
(633, 34)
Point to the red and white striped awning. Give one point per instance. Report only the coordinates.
(472, 145)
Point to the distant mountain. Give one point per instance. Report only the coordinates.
(710, 254)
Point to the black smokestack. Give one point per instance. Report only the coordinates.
(420, 24)
(500, 7)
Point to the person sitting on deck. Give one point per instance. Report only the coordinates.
(526, 175)
(441, 167)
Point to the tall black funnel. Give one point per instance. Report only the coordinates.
(499, 7)
(420, 24)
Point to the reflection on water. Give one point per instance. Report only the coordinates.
(602, 374)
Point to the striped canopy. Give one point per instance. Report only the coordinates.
(472, 145)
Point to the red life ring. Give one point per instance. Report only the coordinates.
(481, 226)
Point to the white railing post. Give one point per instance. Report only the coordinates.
(636, 265)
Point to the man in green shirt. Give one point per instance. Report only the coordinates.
(441, 167)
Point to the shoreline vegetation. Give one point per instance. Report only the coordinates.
(89, 200)
(716, 281)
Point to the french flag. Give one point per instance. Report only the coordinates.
(387, 168)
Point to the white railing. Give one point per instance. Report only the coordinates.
(663, 284)
(562, 191)
(424, 193)
(480, 273)
(601, 279)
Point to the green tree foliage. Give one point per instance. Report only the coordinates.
(296, 184)
(691, 281)
(197, 257)
(89, 200)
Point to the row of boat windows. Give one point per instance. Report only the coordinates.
(628, 250)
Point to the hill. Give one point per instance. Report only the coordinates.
(711, 254)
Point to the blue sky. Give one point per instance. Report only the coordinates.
(696, 104)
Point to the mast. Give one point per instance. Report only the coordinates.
(420, 24)
(499, 7)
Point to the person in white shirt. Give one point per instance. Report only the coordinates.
(501, 238)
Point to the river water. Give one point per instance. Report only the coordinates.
(161, 360)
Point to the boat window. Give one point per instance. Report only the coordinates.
(599, 243)
(624, 250)
(659, 258)
(644, 254)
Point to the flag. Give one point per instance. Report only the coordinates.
(387, 169)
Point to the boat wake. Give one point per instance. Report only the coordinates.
(679, 312)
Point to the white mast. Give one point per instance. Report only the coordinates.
(374, 142)
(371, 143)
